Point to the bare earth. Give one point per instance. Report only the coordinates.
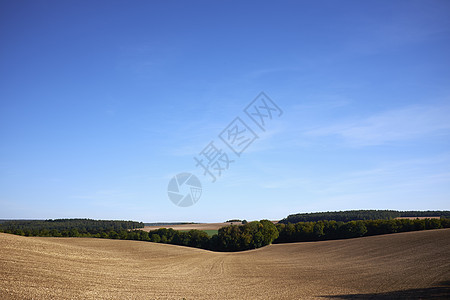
(396, 266)
(198, 226)
(201, 226)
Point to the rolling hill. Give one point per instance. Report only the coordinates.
(404, 265)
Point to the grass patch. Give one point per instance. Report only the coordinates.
(209, 232)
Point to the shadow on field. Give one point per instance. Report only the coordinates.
(441, 291)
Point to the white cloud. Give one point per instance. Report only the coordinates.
(422, 183)
(395, 125)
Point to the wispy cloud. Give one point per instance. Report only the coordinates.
(391, 184)
(390, 126)
(403, 175)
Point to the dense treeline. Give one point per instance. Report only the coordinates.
(354, 215)
(328, 230)
(252, 235)
(230, 238)
(66, 227)
(248, 236)
(167, 223)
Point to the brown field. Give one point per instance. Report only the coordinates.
(396, 266)
(199, 226)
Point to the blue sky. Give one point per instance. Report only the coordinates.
(102, 102)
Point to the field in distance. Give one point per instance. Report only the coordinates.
(198, 226)
(189, 226)
(210, 228)
(409, 265)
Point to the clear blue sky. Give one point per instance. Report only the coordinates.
(102, 102)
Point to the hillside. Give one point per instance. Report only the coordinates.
(405, 265)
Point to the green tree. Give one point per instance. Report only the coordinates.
(318, 230)
(74, 232)
(164, 239)
(155, 238)
(269, 231)
(123, 235)
(113, 235)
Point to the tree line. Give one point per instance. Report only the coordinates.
(66, 227)
(236, 221)
(252, 235)
(230, 238)
(330, 230)
(353, 215)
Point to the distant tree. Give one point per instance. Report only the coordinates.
(74, 232)
(113, 235)
(198, 239)
(55, 233)
(123, 234)
(250, 235)
(155, 238)
(19, 232)
(143, 235)
(257, 240)
(269, 231)
(318, 230)
(433, 224)
(354, 215)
